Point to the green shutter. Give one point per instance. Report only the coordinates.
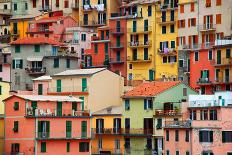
(43, 146)
(16, 126)
(84, 129)
(17, 48)
(13, 64)
(134, 26)
(151, 75)
(48, 129)
(68, 147)
(223, 136)
(56, 63)
(34, 106)
(145, 25)
(68, 129)
(68, 63)
(74, 106)
(16, 106)
(84, 84)
(40, 89)
(118, 42)
(37, 48)
(39, 128)
(21, 64)
(82, 103)
(58, 85)
(59, 109)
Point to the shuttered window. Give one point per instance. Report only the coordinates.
(43, 147)
(17, 49)
(16, 126)
(37, 48)
(218, 18)
(16, 106)
(68, 129)
(84, 129)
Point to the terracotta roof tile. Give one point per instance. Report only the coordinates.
(50, 19)
(36, 40)
(147, 89)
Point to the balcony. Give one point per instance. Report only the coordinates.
(138, 44)
(138, 132)
(117, 45)
(4, 22)
(163, 7)
(56, 113)
(210, 103)
(222, 80)
(117, 60)
(90, 8)
(92, 23)
(167, 112)
(205, 45)
(36, 71)
(106, 150)
(177, 124)
(107, 131)
(222, 62)
(140, 30)
(167, 20)
(167, 51)
(57, 135)
(68, 90)
(45, 8)
(139, 59)
(204, 81)
(117, 31)
(209, 27)
(5, 11)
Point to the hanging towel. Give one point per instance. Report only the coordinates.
(165, 50)
(86, 7)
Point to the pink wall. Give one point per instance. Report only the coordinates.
(5, 74)
(45, 87)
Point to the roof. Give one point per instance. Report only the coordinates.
(112, 110)
(16, 17)
(43, 78)
(50, 19)
(36, 40)
(150, 89)
(47, 98)
(80, 72)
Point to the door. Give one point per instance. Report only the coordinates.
(117, 125)
(208, 22)
(127, 125)
(40, 89)
(34, 106)
(84, 84)
(59, 109)
(218, 56)
(99, 125)
(135, 54)
(58, 85)
(74, 106)
(118, 41)
(83, 129)
(163, 16)
(148, 125)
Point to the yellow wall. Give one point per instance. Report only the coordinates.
(141, 69)
(5, 93)
(108, 141)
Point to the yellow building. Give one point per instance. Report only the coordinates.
(166, 64)
(94, 13)
(140, 41)
(4, 93)
(107, 131)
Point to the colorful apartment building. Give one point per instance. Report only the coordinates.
(96, 13)
(53, 125)
(146, 108)
(205, 129)
(5, 14)
(51, 27)
(37, 56)
(107, 131)
(5, 62)
(212, 26)
(93, 86)
(166, 30)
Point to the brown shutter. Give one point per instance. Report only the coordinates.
(189, 40)
(203, 38)
(195, 21)
(211, 19)
(177, 41)
(192, 7)
(196, 39)
(221, 34)
(184, 23)
(178, 24)
(189, 22)
(218, 18)
(204, 20)
(218, 2)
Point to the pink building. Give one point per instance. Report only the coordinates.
(5, 63)
(46, 125)
(51, 27)
(206, 131)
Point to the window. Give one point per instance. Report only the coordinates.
(187, 135)
(181, 23)
(187, 153)
(229, 153)
(165, 59)
(83, 37)
(172, 28)
(193, 115)
(127, 143)
(227, 136)
(159, 123)
(15, 7)
(173, 44)
(163, 29)
(191, 22)
(37, 48)
(177, 152)
(218, 2)
(17, 64)
(0, 90)
(149, 10)
(68, 129)
(205, 136)
(16, 106)
(148, 104)
(228, 53)
(0, 68)
(210, 55)
(127, 104)
(204, 114)
(57, 3)
(176, 135)
(196, 56)
(181, 63)
(218, 18)
(181, 8)
(167, 135)
(17, 48)
(83, 147)
(167, 152)
(15, 148)
(67, 63)
(95, 48)
(68, 147)
(56, 63)
(185, 91)
(66, 4)
(208, 3)
(43, 147)
(5, 6)
(16, 126)
(130, 66)
(213, 114)
(26, 6)
(100, 143)
(192, 7)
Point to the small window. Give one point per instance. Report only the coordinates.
(15, 7)
(227, 136)
(66, 5)
(1, 68)
(193, 115)
(95, 48)
(16, 106)
(205, 136)
(67, 63)
(167, 152)
(68, 147)
(213, 114)
(17, 49)
(187, 135)
(173, 44)
(196, 56)
(43, 147)
(149, 10)
(163, 29)
(130, 66)
(172, 28)
(228, 53)
(56, 63)
(83, 37)
(167, 135)
(210, 55)
(83, 147)
(148, 104)
(26, 6)
(37, 48)
(204, 114)
(181, 63)
(184, 91)
(177, 152)
(176, 135)
(16, 126)
(127, 104)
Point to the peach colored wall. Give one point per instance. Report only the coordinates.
(45, 87)
(26, 146)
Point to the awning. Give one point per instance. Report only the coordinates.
(34, 58)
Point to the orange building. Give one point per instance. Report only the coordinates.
(46, 125)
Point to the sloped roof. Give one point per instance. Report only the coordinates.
(80, 72)
(36, 40)
(50, 19)
(112, 110)
(43, 78)
(149, 89)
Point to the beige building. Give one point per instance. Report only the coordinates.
(98, 87)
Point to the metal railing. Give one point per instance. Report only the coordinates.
(206, 27)
(108, 149)
(210, 103)
(140, 29)
(204, 81)
(117, 60)
(45, 8)
(205, 45)
(222, 61)
(117, 45)
(62, 135)
(32, 71)
(225, 79)
(177, 124)
(167, 51)
(135, 44)
(93, 23)
(107, 130)
(139, 58)
(160, 112)
(117, 30)
(56, 113)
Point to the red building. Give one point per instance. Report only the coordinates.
(37, 124)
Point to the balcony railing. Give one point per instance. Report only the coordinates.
(107, 150)
(112, 131)
(222, 62)
(98, 7)
(205, 45)
(210, 103)
(163, 7)
(204, 81)
(138, 30)
(56, 113)
(36, 71)
(136, 44)
(167, 20)
(117, 31)
(177, 124)
(45, 8)
(117, 60)
(139, 131)
(167, 51)
(5, 11)
(56, 135)
(92, 23)
(225, 79)
(207, 27)
(117, 45)
(167, 112)
(139, 59)
(4, 22)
